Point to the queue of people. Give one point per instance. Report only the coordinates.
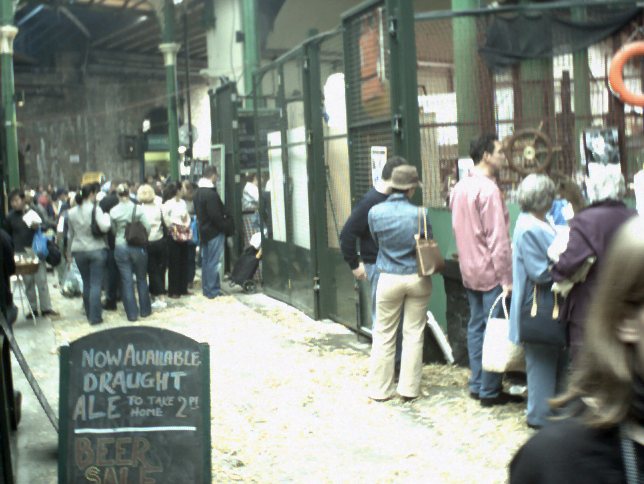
(126, 242)
(542, 257)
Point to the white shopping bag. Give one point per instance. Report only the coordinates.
(499, 353)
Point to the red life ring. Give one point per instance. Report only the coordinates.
(616, 74)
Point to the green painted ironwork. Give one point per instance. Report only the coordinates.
(251, 46)
(465, 76)
(169, 38)
(7, 12)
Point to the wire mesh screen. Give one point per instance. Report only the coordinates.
(336, 146)
(297, 156)
(530, 104)
(269, 147)
(368, 97)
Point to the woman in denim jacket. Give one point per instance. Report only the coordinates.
(393, 224)
(546, 364)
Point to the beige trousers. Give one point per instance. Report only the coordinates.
(396, 292)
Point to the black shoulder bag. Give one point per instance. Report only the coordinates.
(135, 233)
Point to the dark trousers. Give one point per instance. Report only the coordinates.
(177, 267)
(112, 280)
(192, 262)
(157, 263)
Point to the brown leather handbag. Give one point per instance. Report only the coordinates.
(428, 256)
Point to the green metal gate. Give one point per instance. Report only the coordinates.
(225, 132)
(289, 268)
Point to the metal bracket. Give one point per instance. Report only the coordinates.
(316, 284)
(393, 27)
(306, 64)
(309, 137)
(397, 123)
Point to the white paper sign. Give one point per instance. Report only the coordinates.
(378, 160)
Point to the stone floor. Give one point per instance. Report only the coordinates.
(289, 401)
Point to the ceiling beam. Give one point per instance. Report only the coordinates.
(117, 33)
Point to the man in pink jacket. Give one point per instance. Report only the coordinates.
(481, 226)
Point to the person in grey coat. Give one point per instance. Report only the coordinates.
(130, 260)
(89, 251)
(546, 365)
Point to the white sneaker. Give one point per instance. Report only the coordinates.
(158, 304)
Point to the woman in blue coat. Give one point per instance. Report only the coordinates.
(546, 365)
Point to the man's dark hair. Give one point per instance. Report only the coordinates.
(16, 193)
(483, 144)
(209, 171)
(392, 163)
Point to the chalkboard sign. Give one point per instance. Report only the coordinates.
(135, 408)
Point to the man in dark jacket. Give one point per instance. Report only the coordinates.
(22, 237)
(214, 225)
(7, 269)
(356, 230)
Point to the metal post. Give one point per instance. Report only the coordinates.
(169, 48)
(465, 76)
(251, 47)
(536, 77)
(8, 33)
(404, 84)
(581, 79)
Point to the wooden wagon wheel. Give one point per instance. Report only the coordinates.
(536, 152)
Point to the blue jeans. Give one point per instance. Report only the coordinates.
(91, 264)
(485, 383)
(372, 276)
(211, 253)
(546, 370)
(133, 260)
(111, 280)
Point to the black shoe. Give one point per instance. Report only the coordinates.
(474, 396)
(50, 312)
(533, 426)
(407, 399)
(501, 399)
(31, 316)
(109, 307)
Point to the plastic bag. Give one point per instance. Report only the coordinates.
(39, 245)
(73, 282)
(194, 226)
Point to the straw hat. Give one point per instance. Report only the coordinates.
(404, 177)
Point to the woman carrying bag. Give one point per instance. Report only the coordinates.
(601, 441)
(86, 242)
(394, 226)
(533, 312)
(177, 219)
(157, 244)
(128, 221)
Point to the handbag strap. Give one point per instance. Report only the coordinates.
(422, 210)
(133, 212)
(505, 306)
(533, 309)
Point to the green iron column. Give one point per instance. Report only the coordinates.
(7, 35)
(466, 80)
(251, 47)
(169, 48)
(581, 82)
(404, 82)
(537, 95)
